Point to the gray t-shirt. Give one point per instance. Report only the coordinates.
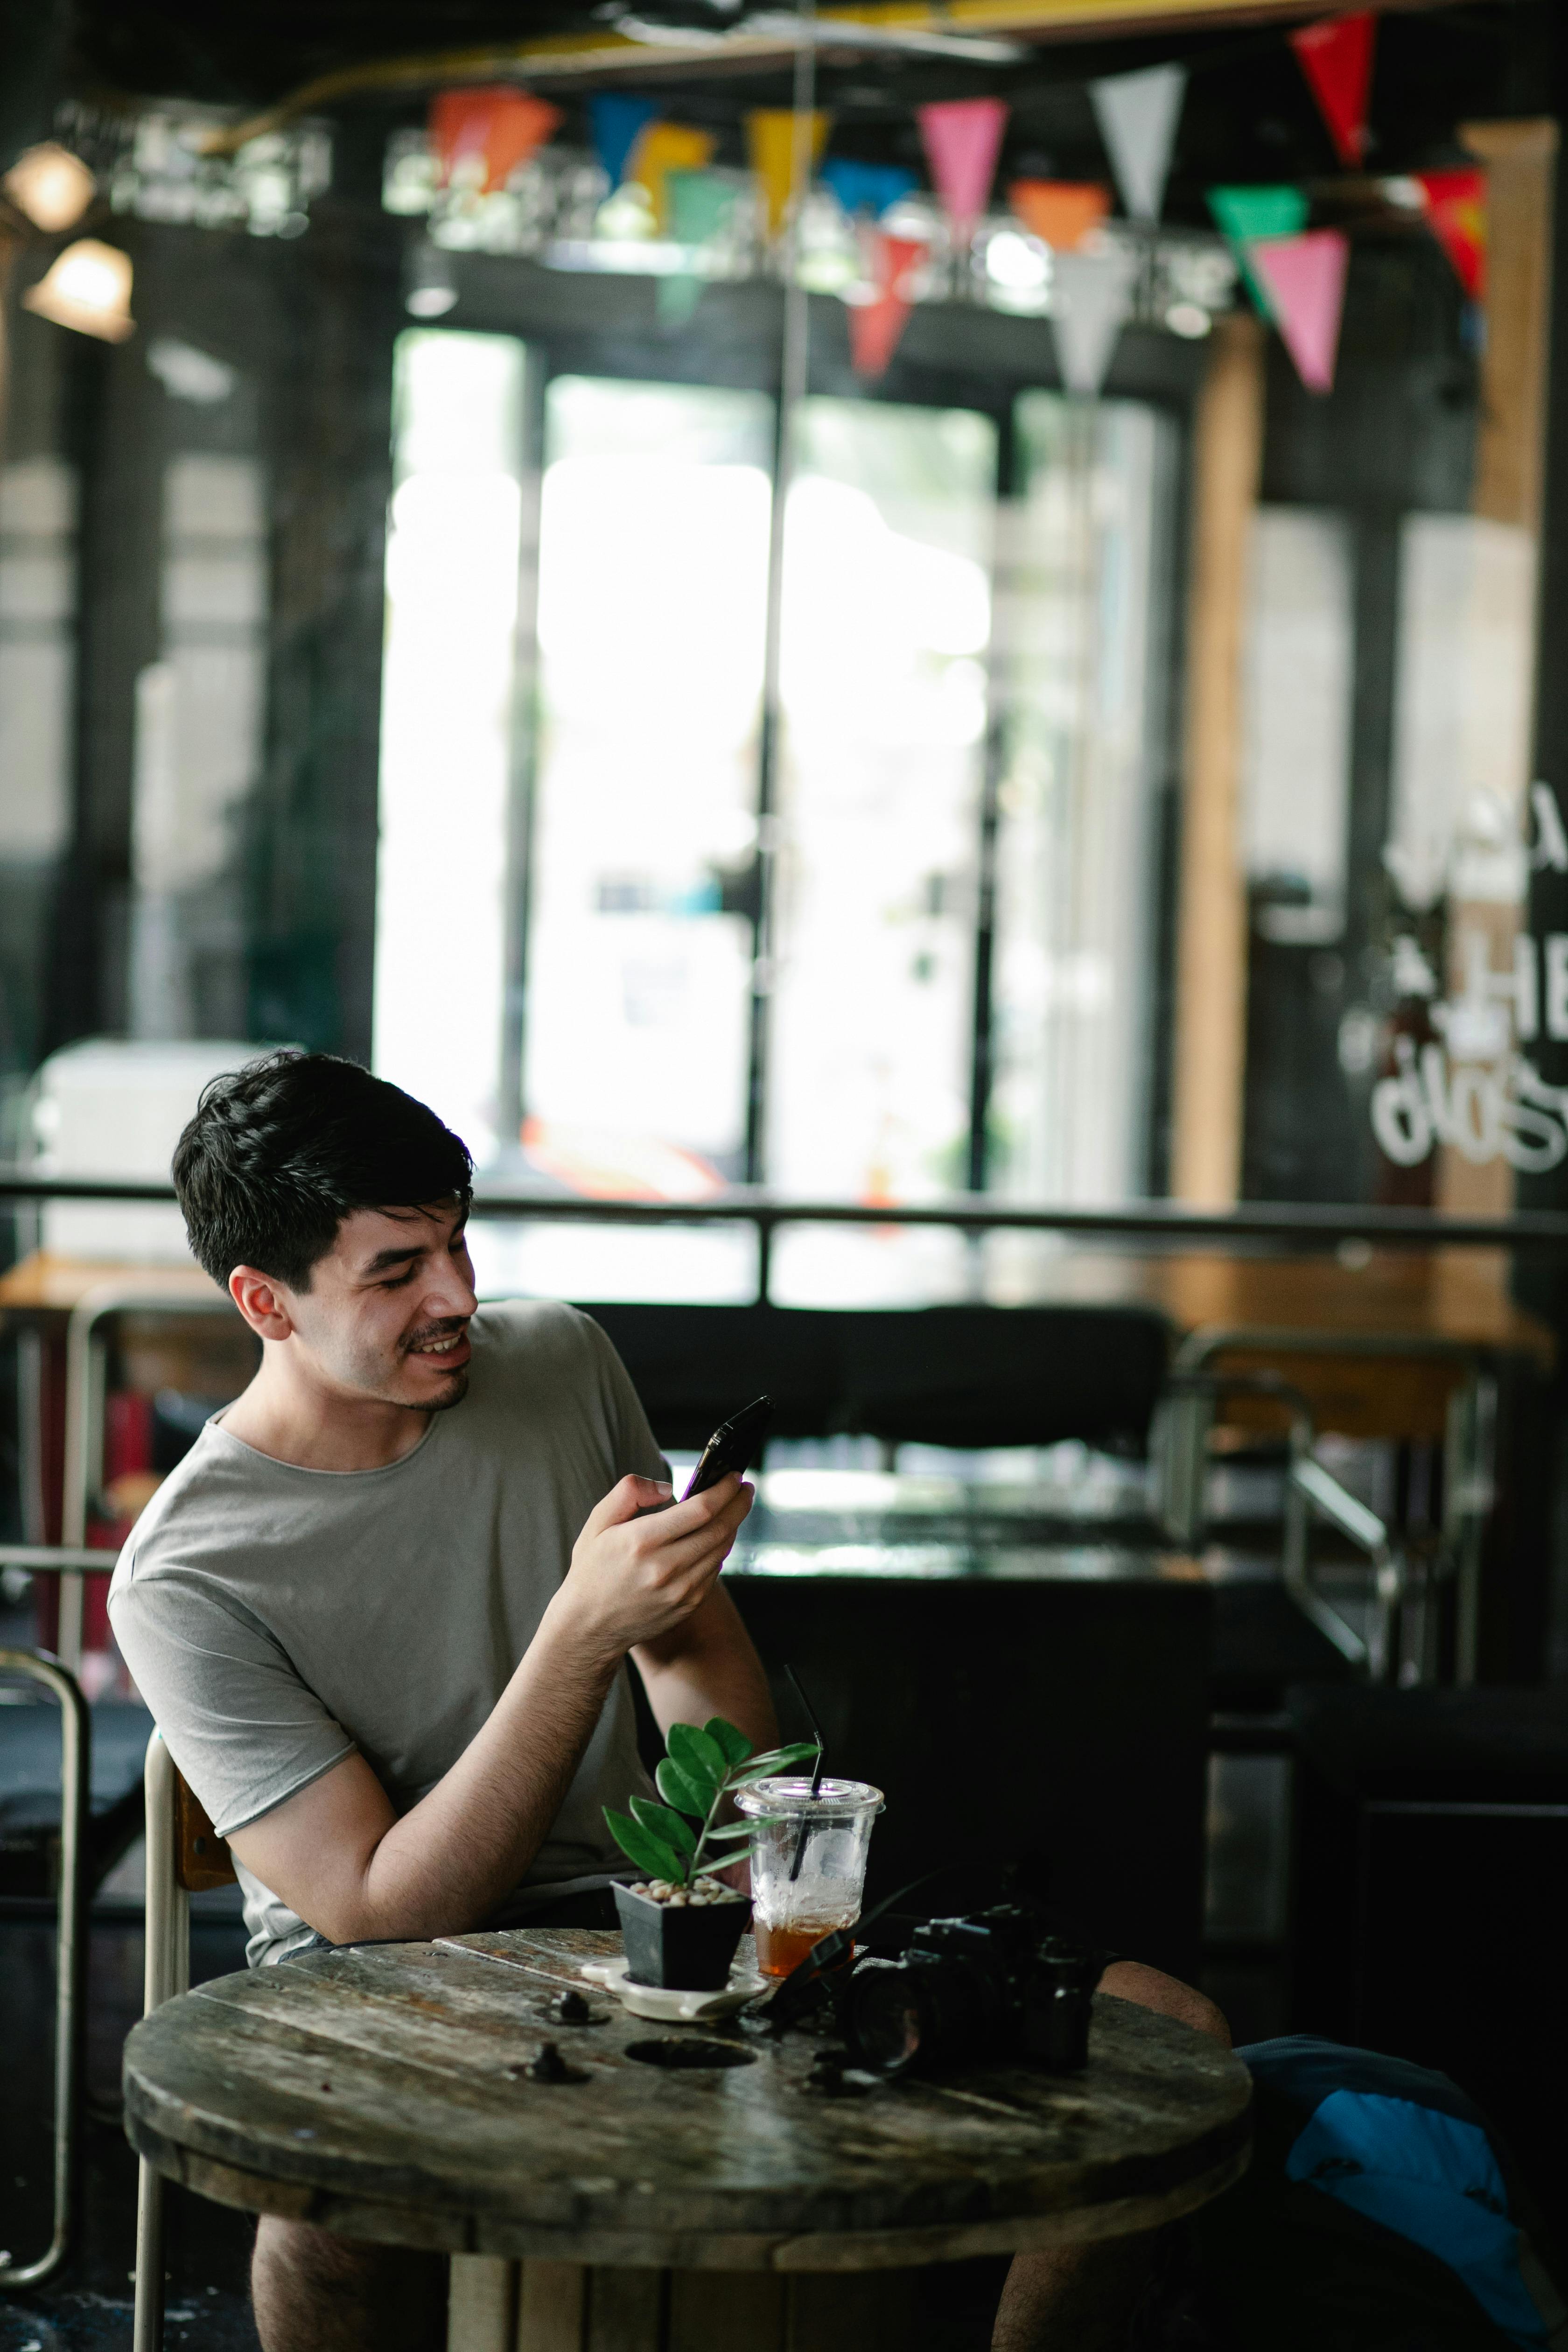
(276, 1618)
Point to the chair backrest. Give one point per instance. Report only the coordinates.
(202, 1858)
(184, 1855)
(961, 1376)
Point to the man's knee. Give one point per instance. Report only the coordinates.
(315, 2292)
(1152, 1988)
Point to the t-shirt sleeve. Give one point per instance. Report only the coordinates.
(635, 1445)
(245, 1730)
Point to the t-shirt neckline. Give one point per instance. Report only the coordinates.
(213, 1424)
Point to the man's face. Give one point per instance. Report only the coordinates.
(386, 1315)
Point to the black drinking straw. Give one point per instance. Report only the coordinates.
(816, 1777)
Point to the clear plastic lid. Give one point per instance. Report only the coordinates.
(786, 1798)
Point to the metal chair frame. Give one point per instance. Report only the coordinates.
(71, 1950)
(1188, 1413)
(167, 1974)
(1469, 1487)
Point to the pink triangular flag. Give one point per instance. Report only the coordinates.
(1305, 280)
(963, 138)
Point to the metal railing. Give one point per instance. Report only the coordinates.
(1170, 1223)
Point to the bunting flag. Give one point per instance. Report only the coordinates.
(616, 123)
(871, 188)
(1304, 279)
(1244, 214)
(500, 126)
(1336, 57)
(1138, 114)
(1457, 216)
(1092, 298)
(664, 148)
(699, 206)
(963, 138)
(1060, 213)
(877, 327)
(770, 141)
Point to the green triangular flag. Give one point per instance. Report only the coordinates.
(1243, 213)
(700, 203)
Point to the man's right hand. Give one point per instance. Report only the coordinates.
(642, 1564)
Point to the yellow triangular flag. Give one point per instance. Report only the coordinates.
(666, 147)
(770, 136)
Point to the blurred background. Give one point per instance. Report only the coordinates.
(905, 660)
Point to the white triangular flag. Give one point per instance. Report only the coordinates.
(1091, 297)
(1138, 114)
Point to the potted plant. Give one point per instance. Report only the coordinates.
(681, 1924)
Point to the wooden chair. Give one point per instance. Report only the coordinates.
(184, 1857)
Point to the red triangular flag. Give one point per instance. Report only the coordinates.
(501, 124)
(1336, 57)
(877, 327)
(1457, 216)
(1305, 280)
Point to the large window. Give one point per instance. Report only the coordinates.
(653, 565)
(952, 976)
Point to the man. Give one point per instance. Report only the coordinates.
(384, 1607)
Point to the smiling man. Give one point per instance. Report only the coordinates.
(384, 1607)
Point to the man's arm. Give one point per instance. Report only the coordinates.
(706, 1666)
(339, 1855)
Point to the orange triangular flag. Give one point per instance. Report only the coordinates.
(501, 124)
(1060, 213)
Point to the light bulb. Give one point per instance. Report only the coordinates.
(51, 185)
(89, 288)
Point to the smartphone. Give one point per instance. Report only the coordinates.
(734, 1445)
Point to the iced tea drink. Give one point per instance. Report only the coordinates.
(808, 1863)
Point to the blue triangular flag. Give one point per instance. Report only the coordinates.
(617, 124)
(872, 188)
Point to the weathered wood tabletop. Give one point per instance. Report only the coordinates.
(384, 2093)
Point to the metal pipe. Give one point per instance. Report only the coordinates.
(167, 1971)
(71, 1950)
(1310, 1223)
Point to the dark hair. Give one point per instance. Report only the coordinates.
(280, 1152)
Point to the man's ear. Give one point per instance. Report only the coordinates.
(262, 1302)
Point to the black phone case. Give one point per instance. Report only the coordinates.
(732, 1446)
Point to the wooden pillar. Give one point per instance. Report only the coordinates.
(1511, 457)
(1211, 942)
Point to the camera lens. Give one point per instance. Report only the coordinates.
(885, 2017)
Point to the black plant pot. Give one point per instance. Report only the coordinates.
(688, 1947)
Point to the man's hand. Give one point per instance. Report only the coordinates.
(639, 1570)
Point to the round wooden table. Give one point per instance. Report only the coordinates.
(384, 2093)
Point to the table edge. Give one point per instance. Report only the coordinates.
(424, 2229)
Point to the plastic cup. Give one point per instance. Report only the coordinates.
(792, 1913)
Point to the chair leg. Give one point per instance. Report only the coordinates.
(168, 1972)
(147, 2329)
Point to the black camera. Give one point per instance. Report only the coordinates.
(993, 1985)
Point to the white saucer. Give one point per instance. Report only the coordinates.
(668, 2002)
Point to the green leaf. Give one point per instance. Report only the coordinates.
(671, 1829)
(734, 1745)
(734, 1830)
(700, 1758)
(763, 1768)
(712, 1861)
(649, 1853)
(678, 1788)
